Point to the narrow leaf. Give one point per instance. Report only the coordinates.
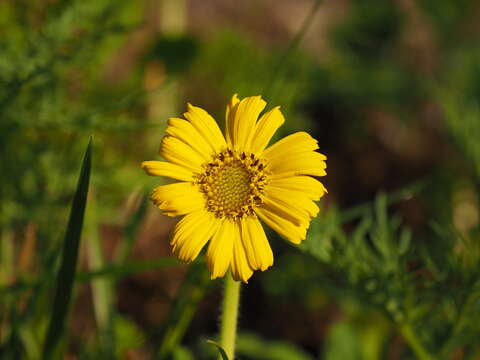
(66, 273)
(220, 349)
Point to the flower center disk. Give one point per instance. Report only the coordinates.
(232, 184)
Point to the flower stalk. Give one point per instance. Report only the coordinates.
(228, 327)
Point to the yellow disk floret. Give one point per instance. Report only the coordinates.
(232, 184)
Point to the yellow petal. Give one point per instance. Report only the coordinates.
(291, 144)
(283, 227)
(296, 203)
(281, 209)
(178, 198)
(166, 192)
(311, 187)
(306, 163)
(265, 128)
(192, 233)
(241, 270)
(184, 227)
(163, 168)
(182, 206)
(176, 151)
(259, 253)
(220, 249)
(184, 130)
(246, 115)
(229, 116)
(207, 126)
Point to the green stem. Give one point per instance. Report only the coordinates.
(228, 329)
(417, 347)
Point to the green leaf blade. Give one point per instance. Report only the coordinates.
(66, 273)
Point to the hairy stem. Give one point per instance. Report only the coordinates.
(228, 329)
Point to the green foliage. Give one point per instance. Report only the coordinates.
(68, 266)
(381, 268)
(363, 70)
(39, 107)
(229, 56)
(342, 343)
(128, 335)
(370, 29)
(219, 348)
(462, 112)
(176, 53)
(373, 259)
(251, 346)
(447, 15)
(192, 291)
(181, 353)
(377, 284)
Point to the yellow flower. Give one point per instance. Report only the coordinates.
(228, 183)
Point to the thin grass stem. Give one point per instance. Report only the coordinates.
(291, 49)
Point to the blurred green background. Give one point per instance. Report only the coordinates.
(391, 89)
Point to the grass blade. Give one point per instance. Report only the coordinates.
(66, 273)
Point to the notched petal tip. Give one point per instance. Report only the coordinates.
(256, 99)
(144, 165)
(238, 277)
(191, 109)
(150, 167)
(266, 267)
(233, 101)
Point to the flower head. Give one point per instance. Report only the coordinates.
(228, 183)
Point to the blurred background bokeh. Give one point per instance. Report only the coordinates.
(390, 89)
